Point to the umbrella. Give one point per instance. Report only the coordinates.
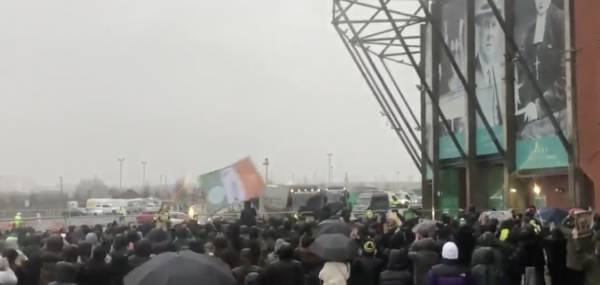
(549, 215)
(425, 228)
(182, 268)
(334, 227)
(334, 247)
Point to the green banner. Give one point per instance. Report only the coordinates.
(543, 49)
(448, 148)
(485, 144)
(541, 153)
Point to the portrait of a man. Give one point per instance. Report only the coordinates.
(489, 64)
(543, 50)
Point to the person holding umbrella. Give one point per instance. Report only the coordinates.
(335, 273)
(337, 250)
(181, 268)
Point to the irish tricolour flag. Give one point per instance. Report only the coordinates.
(232, 184)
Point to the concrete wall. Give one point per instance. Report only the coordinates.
(587, 45)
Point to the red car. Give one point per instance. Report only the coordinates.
(145, 217)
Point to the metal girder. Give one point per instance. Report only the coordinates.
(420, 73)
(529, 74)
(376, 93)
(364, 52)
(375, 7)
(389, 73)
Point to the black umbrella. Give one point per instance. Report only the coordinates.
(182, 268)
(334, 227)
(334, 247)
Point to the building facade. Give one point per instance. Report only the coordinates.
(509, 93)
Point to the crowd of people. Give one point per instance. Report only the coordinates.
(392, 250)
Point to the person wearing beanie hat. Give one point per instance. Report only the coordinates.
(450, 251)
(449, 271)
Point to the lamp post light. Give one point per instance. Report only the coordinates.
(121, 160)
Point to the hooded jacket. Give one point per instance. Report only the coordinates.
(50, 256)
(398, 270)
(335, 273)
(365, 270)
(424, 255)
(484, 272)
(590, 260)
(488, 250)
(286, 272)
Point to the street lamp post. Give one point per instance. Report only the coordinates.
(261, 201)
(330, 168)
(62, 192)
(144, 173)
(266, 165)
(121, 160)
(60, 183)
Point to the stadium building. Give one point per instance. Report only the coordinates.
(496, 101)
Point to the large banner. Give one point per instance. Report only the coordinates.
(231, 185)
(540, 34)
(452, 94)
(489, 75)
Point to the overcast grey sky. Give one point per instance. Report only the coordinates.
(189, 86)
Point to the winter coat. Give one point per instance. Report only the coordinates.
(248, 217)
(29, 272)
(449, 273)
(556, 252)
(49, 260)
(365, 271)
(119, 266)
(96, 273)
(135, 261)
(424, 255)
(312, 265)
(590, 260)
(335, 273)
(532, 244)
(7, 276)
(241, 272)
(488, 242)
(398, 269)
(484, 271)
(466, 243)
(389, 277)
(573, 261)
(285, 272)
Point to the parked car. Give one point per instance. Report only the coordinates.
(101, 209)
(75, 212)
(145, 217)
(178, 217)
(377, 202)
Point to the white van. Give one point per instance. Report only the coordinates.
(101, 209)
